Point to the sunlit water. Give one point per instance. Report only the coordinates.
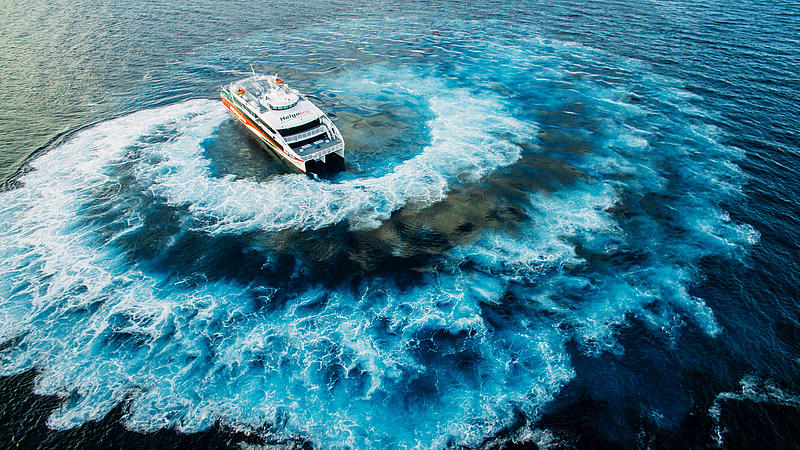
(513, 205)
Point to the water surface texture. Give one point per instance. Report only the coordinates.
(560, 225)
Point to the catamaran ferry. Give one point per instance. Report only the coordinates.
(285, 122)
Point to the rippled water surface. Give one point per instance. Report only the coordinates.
(560, 224)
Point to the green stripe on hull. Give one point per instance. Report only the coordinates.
(269, 143)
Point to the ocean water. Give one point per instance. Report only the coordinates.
(560, 225)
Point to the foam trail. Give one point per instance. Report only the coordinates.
(755, 390)
(544, 271)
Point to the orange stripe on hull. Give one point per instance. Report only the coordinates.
(242, 118)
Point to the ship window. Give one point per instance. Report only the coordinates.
(264, 124)
(280, 108)
(299, 128)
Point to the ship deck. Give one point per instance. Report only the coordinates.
(321, 148)
(252, 92)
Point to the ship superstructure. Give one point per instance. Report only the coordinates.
(285, 122)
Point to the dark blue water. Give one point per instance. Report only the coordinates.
(560, 225)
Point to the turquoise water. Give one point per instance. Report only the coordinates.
(559, 225)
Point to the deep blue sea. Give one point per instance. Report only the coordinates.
(562, 224)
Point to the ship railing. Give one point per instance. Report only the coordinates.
(324, 151)
(305, 135)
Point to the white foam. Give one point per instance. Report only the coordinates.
(542, 256)
(755, 390)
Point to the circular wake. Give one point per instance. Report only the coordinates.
(429, 297)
